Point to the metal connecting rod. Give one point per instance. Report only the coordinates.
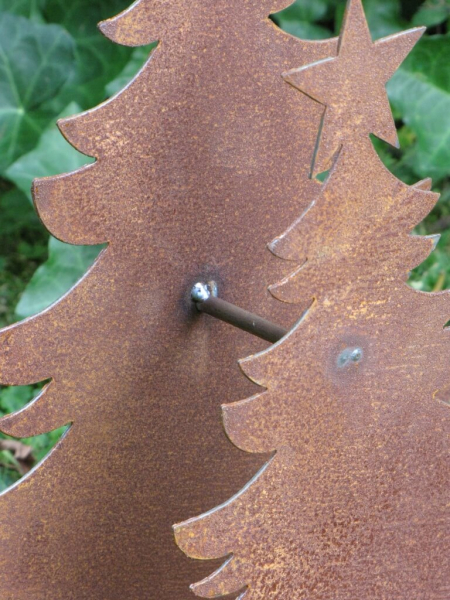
(206, 301)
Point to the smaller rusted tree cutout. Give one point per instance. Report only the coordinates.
(354, 502)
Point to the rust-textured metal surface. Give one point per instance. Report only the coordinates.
(354, 502)
(201, 161)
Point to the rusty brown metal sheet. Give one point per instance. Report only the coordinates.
(201, 161)
(354, 501)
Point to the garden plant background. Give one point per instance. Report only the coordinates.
(54, 62)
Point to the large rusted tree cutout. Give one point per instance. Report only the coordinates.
(354, 503)
(198, 161)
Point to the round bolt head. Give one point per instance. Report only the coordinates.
(200, 292)
(348, 356)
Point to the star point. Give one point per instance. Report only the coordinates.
(352, 85)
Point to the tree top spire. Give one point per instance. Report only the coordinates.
(352, 85)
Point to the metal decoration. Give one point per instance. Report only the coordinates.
(201, 161)
(354, 502)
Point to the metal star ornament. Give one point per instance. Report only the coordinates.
(352, 86)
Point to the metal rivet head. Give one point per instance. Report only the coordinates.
(349, 356)
(356, 355)
(200, 292)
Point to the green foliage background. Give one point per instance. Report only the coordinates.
(54, 63)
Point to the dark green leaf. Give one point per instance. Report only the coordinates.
(23, 241)
(25, 8)
(138, 58)
(35, 62)
(13, 399)
(51, 156)
(420, 92)
(436, 269)
(305, 31)
(42, 444)
(432, 13)
(18, 221)
(65, 266)
(7, 478)
(303, 10)
(384, 17)
(300, 19)
(98, 59)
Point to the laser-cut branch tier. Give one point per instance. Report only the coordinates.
(354, 502)
(197, 163)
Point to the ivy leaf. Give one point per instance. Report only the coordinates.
(42, 444)
(304, 10)
(15, 398)
(26, 8)
(304, 30)
(98, 60)
(7, 477)
(19, 223)
(23, 245)
(138, 58)
(300, 19)
(420, 92)
(35, 62)
(432, 13)
(51, 156)
(384, 18)
(65, 266)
